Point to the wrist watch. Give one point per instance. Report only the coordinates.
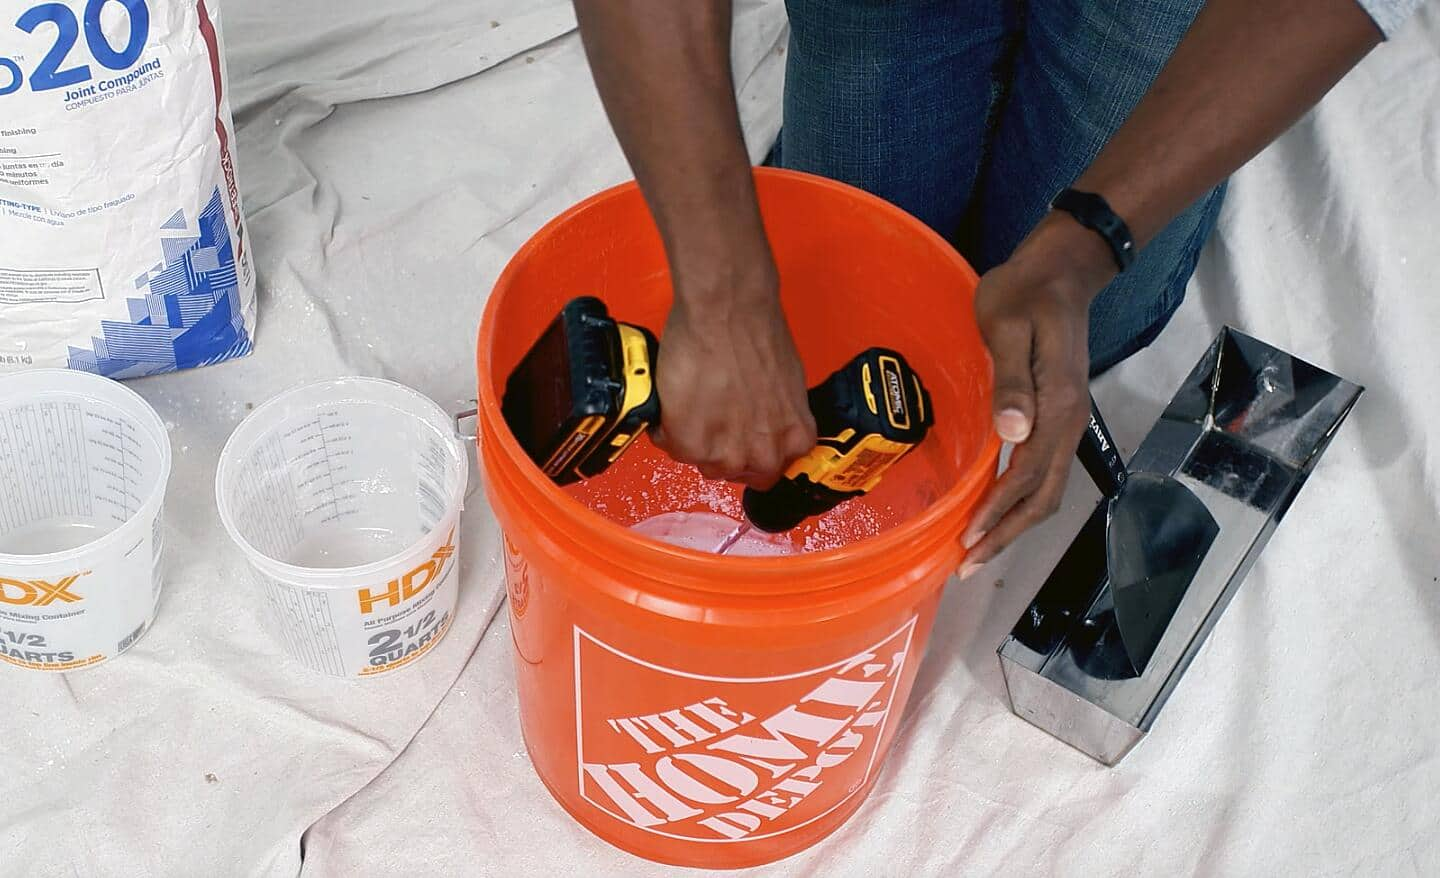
(1093, 212)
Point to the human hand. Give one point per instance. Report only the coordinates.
(732, 389)
(1034, 314)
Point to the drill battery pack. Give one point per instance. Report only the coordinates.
(583, 392)
(869, 414)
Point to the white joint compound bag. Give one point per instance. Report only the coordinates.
(122, 245)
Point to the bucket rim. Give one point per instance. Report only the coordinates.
(116, 395)
(690, 569)
(300, 576)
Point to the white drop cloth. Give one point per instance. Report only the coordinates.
(393, 155)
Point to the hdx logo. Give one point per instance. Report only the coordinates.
(39, 592)
(412, 583)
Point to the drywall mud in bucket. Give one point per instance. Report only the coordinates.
(728, 711)
(83, 467)
(345, 498)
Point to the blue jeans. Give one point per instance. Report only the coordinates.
(973, 114)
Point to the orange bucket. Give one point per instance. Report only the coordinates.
(716, 711)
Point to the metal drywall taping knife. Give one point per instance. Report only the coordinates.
(1157, 533)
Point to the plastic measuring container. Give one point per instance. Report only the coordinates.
(83, 466)
(722, 711)
(345, 497)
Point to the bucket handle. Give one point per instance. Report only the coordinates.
(472, 415)
(471, 438)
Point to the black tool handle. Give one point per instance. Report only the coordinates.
(1101, 456)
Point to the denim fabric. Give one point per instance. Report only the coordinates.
(972, 114)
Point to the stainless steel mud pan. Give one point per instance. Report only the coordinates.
(1244, 432)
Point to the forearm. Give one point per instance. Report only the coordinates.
(1242, 75)
(1245, 72)
(663, 71)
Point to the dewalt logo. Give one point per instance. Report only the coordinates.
(39, 592)
(411, 584)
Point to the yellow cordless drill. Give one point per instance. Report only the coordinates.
(586, 390)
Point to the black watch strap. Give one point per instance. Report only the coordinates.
(1093, 212)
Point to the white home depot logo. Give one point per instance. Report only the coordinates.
(728, 759)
